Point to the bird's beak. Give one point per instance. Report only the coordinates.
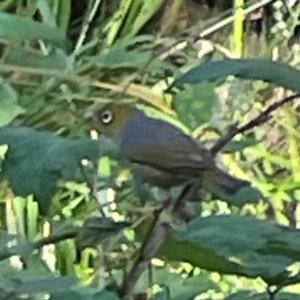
(89, 115)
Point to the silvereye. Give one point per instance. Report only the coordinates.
(161, 154)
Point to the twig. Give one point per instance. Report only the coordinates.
(8, 252)
(158, 233)
(263, 117)
(187, 193)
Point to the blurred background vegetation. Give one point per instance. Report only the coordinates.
(70, 224)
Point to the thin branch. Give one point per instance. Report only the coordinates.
(187, 193)
(8, 252)
(263, 117)
(158, 233)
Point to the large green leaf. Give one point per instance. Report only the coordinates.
(35, 282)
(21, 28)
(36, 160)
(250, 295)
(233, 244)
(246, 68)
(29, 282)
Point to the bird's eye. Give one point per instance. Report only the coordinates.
(106, 117)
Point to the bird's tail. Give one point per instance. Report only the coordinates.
(217, 180)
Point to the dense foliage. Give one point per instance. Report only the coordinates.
(74, 223)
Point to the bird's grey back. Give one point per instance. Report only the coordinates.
(153, 132)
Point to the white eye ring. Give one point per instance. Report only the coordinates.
(106, 117)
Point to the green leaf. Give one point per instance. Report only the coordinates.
(235, 146)
(191, 287)
(84, 293)
(43, 285)
(246, 68)
(194, 105)
(178, 287)
(64, 14)
(245, 195)
(105, 295)
(250, 295)
(37, 160)
(145, 13)
(32, 281)
(232, 244)
(20, 28)
(68, 295)
(163, 295)
(5, 238)
(245, 295)
(55, 13)
(9, 104)
(21, 57)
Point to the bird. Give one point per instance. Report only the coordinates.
(161, 153)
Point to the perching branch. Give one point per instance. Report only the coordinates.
(263, 117)
(158, 233)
